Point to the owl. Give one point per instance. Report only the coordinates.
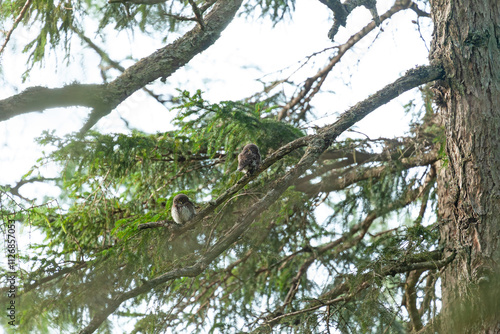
(182, 209)
(249, 159)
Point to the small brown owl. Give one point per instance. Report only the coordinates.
(182, 209)
(249, 159)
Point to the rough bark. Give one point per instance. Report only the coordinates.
(467, 43)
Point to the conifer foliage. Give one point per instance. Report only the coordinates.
(331, 233)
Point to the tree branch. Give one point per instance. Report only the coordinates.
(342, 10)
(104, 98)
(341, 180)
(104, 56)
(16, 22)
(313, 84)
(429, 292)
(160, 223)
(411, 299)
(15, 189)
(348, 156)
(413, 78)
(418, 11)
(422, 261)
(197, 13)
(41, 98)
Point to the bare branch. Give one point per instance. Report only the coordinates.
(104, 56)
(418, 11)
(314, 83)
(411, 299)
(16, 22)
(179, 17)
(432, 261)
(342, 179)
(41, 98)
(98, 50)
(197, 14)
(15, 189)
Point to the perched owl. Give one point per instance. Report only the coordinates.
(182, 209)
(249, 159)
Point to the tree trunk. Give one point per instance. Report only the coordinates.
(467, 42)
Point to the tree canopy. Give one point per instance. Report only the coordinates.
(335, 231)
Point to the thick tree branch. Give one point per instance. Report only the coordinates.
(411, 299)
(342, 179)
(41, 98)
(104, 98)
(413, 78)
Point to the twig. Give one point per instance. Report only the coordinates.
(314, 83)
(179, 17)
(15, 190)
(160, 223)
(197, 14)
(16, 22)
